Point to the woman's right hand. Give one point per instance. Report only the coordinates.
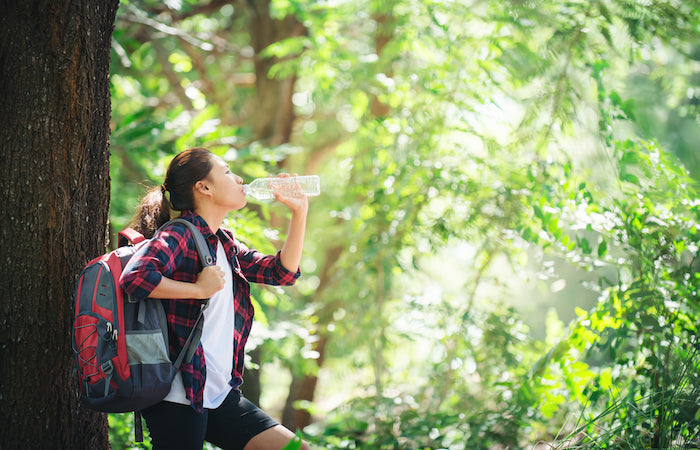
(210, 281)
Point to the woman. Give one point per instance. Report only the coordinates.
(205, 402)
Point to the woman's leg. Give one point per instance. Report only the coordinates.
(273, 438)
(175, 426)
(238, 424)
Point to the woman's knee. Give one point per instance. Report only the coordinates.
(276, 437)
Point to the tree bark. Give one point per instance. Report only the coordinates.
(54, 179)
(303, 387)
(274, 116)
(252, 387)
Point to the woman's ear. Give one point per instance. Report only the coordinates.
(202, 187)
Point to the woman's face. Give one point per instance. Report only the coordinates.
(226, 187)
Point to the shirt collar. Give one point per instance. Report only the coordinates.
(198, 221)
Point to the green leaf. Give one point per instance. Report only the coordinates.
(538, 212)
(628, 108)
(602, 248)
(605, 380)
(285, 47)
(630, 178)
(629, 158)
(294, 444)
(615, 98)
(584, 245)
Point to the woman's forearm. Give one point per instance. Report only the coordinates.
(209, 281)
(169, 288)
(292, 249)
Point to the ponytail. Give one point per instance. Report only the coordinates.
(176, 192)
(152, 213)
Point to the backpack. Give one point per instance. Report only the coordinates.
(121, 344)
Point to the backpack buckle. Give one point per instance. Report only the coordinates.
(107, 367)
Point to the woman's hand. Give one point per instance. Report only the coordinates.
(210, 281)
(297, 202)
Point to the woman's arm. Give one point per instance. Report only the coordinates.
(209, 281)
(149, 273)
(293, 246)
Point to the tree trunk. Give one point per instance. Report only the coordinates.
(54, 179)
(274, 114)
(252, 388)
(303, 386)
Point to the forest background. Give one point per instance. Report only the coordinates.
(505, 250)
(506, 245)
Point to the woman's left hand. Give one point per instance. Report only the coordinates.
(298, 202)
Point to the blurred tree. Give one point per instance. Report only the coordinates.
(54, 65)
(303, 385)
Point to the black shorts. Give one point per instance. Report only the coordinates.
(230, 426)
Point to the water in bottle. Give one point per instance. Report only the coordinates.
(263, 188)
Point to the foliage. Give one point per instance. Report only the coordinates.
(482, 371)
(638, 347)
(457, 143)
(294, 444)
(645, 325)
(121, 432)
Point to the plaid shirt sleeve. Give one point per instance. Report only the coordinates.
(166, 255)
(264, 269)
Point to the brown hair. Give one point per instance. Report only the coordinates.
(186, 169)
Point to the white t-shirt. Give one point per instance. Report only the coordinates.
(217, 342)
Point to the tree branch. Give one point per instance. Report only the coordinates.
(212, 6)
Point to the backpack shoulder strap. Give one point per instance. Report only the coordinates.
(200, 243)
(195, 335)
(129, 236)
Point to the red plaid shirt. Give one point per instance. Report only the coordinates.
(173, 254)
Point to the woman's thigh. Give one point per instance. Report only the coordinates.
(175, 426)
(236, 422)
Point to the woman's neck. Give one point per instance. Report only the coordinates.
(211, 216)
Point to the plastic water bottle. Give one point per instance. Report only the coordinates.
(262, 188)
